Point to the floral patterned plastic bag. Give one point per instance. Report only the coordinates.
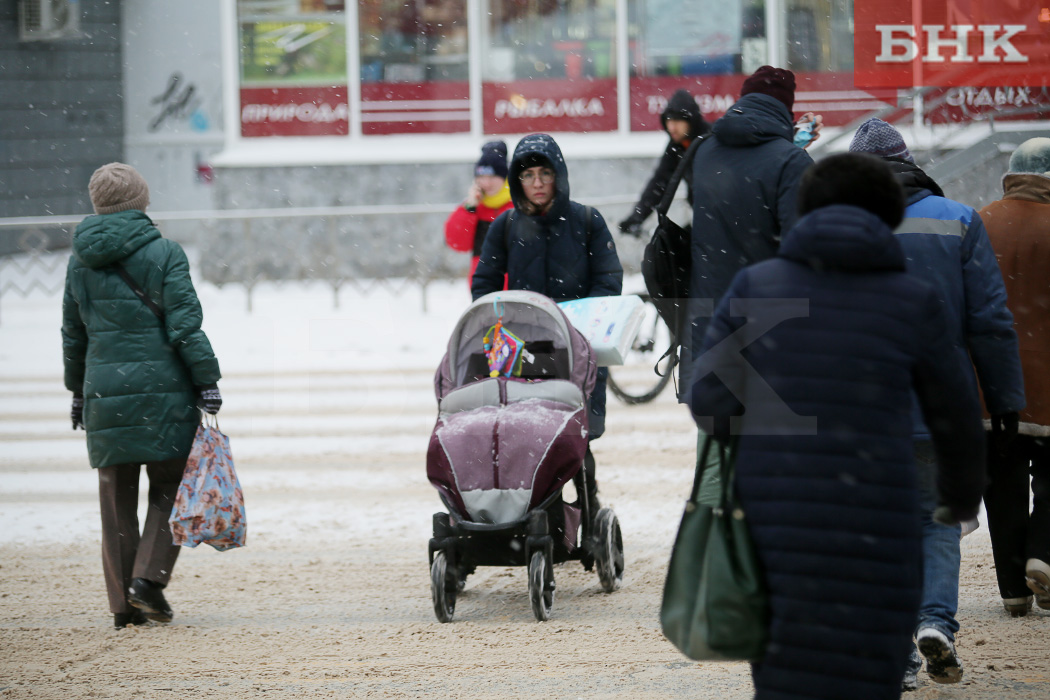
(209, 506)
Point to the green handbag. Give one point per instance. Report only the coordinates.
(715, 605)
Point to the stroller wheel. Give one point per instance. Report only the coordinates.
(442, 589)
(609, 551)
(540, 594)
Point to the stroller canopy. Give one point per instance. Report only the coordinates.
(532, 317)
(503, 444)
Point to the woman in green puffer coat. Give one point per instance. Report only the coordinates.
(138, 381)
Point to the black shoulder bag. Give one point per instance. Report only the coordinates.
(667, 263)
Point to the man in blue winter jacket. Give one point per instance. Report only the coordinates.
(945, 243)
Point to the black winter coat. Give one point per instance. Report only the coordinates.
(559, 253)
(745, 187)
(680, 106)
(824, 350)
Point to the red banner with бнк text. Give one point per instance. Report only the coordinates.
(951, 43)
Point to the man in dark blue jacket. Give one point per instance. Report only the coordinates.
(745, 183)
(946, 244)
(554, 246)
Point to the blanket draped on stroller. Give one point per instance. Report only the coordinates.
(502, 445)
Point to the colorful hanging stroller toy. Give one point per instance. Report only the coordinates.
(503, 349)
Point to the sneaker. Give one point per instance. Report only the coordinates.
(1018, 607)
(911, 672)
(941, 662)
(1037, 572)
(147, 597)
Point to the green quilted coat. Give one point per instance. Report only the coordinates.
(138, 376)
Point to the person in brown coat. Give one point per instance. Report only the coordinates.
(1019, 231)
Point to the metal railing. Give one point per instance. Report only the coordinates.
(360, 247)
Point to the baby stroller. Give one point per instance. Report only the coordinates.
(503, 449)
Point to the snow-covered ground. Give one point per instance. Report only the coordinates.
(308, 386)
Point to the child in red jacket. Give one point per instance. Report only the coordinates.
(487, 198)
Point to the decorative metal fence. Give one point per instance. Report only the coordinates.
(357, 247)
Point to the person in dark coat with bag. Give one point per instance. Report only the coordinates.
(745, 185)
(945, 243)
(811, 358)
(139, 382)
(554, 246)
(1017, 500)
(683, 122)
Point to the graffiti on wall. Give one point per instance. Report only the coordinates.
(178, 101)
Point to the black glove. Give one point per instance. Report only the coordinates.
(1004, 429)
(76, 414)
(632, 225)
(210, 399)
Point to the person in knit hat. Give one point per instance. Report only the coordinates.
(118, 187)
(141, 370)
(880, 139)
(745, 186)
(487, 198)
(683, 122)
(946, 244)
(1019, 468)
(778, 83)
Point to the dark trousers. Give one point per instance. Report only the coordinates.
(125, 553)
(1018, 534)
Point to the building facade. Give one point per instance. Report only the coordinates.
(255, 104)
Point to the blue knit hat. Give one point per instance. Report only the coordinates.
(493, 160)
(880, 139)
(1032, 156)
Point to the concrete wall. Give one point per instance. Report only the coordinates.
(407, 245)
(173, 104)
(62, 115)
(412, 245)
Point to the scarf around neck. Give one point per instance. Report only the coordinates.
(496, 201)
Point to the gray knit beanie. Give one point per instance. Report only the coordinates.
(118, 187)
(880, 139)
(1032, 156)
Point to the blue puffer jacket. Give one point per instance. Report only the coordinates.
(745, 187)
(558, 253)
(946, 244)
(831, 338)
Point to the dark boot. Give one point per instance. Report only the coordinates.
(122, 620)
(147, 597)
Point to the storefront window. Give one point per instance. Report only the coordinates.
(696, 37)
(819, 35)
(703, 46)
(413, 41)
(549, 65)
(293, 68)
(414, 67)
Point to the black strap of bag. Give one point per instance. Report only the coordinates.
(139, 292)
(661, 246)
(676, 177)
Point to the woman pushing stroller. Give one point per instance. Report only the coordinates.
(554, 246)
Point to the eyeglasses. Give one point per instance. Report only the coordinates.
(545, 177)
